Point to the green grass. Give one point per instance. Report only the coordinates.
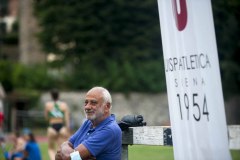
(44, 152)
(140, 152)
(235, 154)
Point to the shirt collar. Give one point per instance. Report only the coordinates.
(104, 122)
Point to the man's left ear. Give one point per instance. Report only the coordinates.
(108, 105)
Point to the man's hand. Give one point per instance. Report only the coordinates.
(64, 152)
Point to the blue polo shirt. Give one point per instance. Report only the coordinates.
(103, 142)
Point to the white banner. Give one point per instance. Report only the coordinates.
(193, 80)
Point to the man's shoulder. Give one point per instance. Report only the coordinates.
(113, 127)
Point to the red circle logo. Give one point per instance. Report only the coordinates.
(181, 15)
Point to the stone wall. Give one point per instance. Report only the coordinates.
(153, 107)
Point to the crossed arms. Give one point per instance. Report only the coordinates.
(66, 148)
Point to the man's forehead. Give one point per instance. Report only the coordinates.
(94, 94)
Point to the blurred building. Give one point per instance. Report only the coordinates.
(18, 43)
(19, 27)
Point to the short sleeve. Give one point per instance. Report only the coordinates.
(74, 136)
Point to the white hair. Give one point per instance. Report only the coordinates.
(106, 95)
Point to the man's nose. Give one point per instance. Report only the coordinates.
(88, 106)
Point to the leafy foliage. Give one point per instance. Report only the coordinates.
(18, 76)
(111, 43)
(227, 24)
(117, 43)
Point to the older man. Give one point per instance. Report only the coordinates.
(100, 136)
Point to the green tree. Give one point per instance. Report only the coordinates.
(227, 24)
(107, 42)
(118, 44)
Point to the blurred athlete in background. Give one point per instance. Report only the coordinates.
(57, 114)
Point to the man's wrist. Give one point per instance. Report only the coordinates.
(75, 155)
(67, 143)
(70, 144)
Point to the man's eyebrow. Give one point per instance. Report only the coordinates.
(91, 101)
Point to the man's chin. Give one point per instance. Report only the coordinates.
(91, 117)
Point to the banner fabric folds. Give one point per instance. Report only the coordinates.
(194, 87)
